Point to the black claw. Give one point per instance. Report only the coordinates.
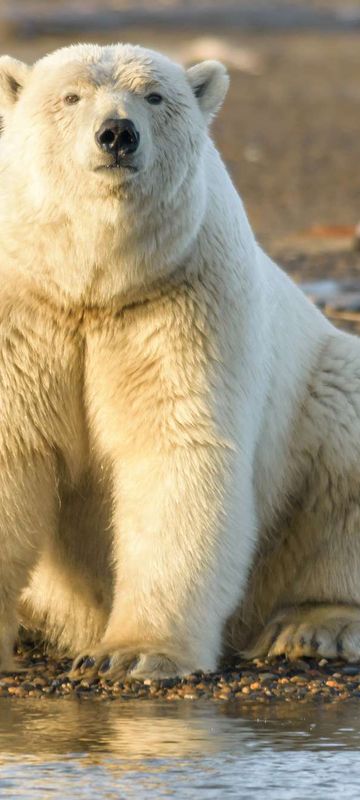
(88, 662)
(133, 664)
(275, 634)
(80, 663)
(315, 644)
(105, 666)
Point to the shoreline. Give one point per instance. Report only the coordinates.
(249, 682)
(32, 20)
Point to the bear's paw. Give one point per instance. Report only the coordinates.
(126, 664)
(318, 631)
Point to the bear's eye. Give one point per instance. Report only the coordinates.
(154, 99)
(71, 99)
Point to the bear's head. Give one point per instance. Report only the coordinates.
(97, 120)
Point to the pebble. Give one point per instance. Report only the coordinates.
(258, 681)
(351, 669)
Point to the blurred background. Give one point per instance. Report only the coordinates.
(289, 131)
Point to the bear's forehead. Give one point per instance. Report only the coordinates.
(127, 64)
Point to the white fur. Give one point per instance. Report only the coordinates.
(180, 435)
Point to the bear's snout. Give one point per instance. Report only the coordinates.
(118, 137)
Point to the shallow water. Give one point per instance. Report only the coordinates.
(69, 750)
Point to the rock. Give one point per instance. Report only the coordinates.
(300, 665)
(351, 669)
(17, 691)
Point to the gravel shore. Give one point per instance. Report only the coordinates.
(255, 681)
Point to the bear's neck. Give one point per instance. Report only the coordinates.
(98, 251)
(104, 249)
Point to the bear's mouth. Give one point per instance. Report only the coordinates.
(117, 165)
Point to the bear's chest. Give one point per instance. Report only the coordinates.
(148, 377)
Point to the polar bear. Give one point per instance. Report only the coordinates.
(180, 426)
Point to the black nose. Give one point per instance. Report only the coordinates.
(118, 136)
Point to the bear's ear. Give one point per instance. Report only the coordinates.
(209, 82)
(13, 75)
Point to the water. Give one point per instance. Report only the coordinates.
(67, 749)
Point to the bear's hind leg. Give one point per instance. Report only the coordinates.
(307, 590)
(317, 631)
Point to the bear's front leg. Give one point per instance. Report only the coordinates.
(179, 562)
(28, 511)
